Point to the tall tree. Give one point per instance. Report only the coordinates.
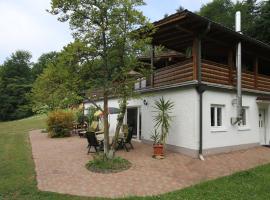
(220, 11)
(255, 16)
(180, 9)
(43, 61)
(249, 12)
(262, 23)
(59, 84)
(107, 29)
(15, 83)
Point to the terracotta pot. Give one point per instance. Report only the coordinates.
(158, 150)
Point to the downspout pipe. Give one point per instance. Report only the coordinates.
(239, 66)
(201, 89)
(239, 111)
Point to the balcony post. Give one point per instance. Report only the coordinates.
(196, 55)
(231, 66)
(152, 65)
(256, 72)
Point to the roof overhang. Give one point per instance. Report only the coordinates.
(177, 32)
(263, 100)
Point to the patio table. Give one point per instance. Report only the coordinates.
(101, 132)
(100, 137)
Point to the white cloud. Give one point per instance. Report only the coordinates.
(28, 26)
(24, 24)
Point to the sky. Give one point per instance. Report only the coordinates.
(25, 24)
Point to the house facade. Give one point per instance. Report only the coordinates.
(200, 78)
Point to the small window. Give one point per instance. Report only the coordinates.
(244, 121)
(216, 116)
(140, 84)
(212, 116)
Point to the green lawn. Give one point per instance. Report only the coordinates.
(17, 175)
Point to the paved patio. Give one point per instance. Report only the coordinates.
(60, 167)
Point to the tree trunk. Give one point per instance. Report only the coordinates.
(120, 120)
(106, 124)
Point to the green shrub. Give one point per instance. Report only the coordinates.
(101, 164)
(60, 123)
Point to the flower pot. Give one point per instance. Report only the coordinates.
(158, 150)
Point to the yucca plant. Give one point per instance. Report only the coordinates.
(155, 137)
(163, 109)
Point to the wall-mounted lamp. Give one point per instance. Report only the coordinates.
(145, 102)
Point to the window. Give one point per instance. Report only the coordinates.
(141, 83)
(217, 115)
(244, 121)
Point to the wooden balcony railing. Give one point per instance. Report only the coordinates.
(174, 74)
(220, 74)
(263, 82)
(215, 73)
(212, 72)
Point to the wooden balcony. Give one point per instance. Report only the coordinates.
(174, 74)
(222, 74)
(212, 72)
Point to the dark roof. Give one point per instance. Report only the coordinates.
(183, 26)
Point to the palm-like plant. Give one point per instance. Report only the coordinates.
(163, 109)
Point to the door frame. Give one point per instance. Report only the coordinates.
(138, 136)
(266, 136)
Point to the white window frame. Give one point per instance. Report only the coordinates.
(140, 84)
(246, 126)
(216, 127)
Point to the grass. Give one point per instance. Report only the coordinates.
(17, 174)
(101, 164)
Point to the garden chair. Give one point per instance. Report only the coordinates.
(92, 142)
(101, 131)
(125, 130)
(122, 143)
(94, 126)
(82, 129)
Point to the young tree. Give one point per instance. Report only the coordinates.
(15, 83)
(59, 84)
(106, 27)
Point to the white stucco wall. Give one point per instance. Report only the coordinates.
(184, 129)
(185, 126)
(230, 135)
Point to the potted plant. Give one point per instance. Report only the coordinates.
(158, 148)
(163, 109)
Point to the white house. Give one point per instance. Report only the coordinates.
(201, 80)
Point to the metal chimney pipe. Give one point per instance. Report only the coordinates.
(239, 67)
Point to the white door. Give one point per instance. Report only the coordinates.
(133, 119)
(262, 127)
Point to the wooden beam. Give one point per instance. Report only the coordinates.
(169, 20)
(196, 49)
(176, 43)
(152, 65)
(173, 38)
(170, 34)
(256, 69)
(167, 29)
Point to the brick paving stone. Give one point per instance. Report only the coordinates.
(60, 167)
